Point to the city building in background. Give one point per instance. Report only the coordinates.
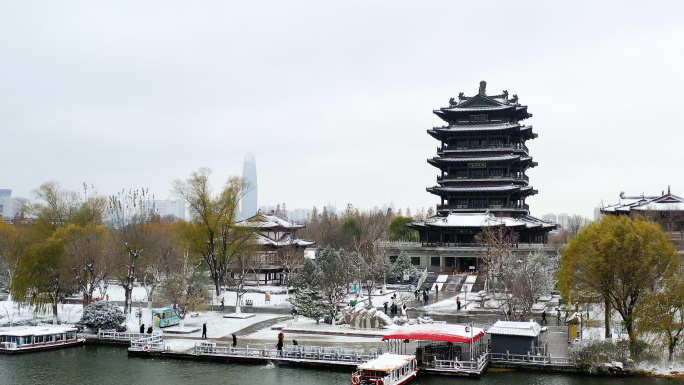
(10, 206)
(165, 208)
(550, 217)
(248, 204)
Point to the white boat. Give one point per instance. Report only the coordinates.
(25, 339)
(388, 369)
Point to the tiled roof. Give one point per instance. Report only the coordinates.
(475, 189)
(478, 159)
(265, 221)
(481, 220)
(667, 202)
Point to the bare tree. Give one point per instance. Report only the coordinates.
(132, 214)
(497, 243)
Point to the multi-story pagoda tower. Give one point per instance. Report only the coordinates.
(482, 160)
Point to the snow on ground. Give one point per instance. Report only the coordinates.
(11, 312)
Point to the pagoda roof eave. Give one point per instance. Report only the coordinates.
(480, 220)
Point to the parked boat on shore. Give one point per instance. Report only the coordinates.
(388, 369)
(26, 339)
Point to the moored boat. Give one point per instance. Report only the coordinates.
(26, 339)
(387, 369)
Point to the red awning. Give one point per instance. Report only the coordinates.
(436, 332)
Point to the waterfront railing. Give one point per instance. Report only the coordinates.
(123, 336)
(298, 352)
(530, 359)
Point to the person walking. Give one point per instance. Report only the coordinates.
(222, 303)
(543, 321)
(279, 345)
(458, 304)
(204, 330)
(385, 306)
(234, 339)
(426, 297)
(142, 328)
(558, 316)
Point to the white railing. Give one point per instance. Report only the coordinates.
(317, 353)
(122, 336)
(148, 342)
(529, 359)
(466, 366)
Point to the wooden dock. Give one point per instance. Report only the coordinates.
(335, 358)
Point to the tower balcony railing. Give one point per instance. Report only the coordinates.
(503, 207)
(494, 147)
(483, 177)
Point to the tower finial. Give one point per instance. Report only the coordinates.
(483, 88)
(668, 189)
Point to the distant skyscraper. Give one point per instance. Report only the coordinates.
(249, 201)
(170, 207)
(550, 217)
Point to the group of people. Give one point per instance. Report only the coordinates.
(394, 309)
(142, 329)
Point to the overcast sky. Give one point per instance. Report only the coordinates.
(334, 98)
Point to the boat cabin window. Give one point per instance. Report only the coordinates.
(59, 337)
(71, 335)
(26, 340)
(38, 339)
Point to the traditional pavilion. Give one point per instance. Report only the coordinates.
(482, 160)
(278, 242)
(665, 209)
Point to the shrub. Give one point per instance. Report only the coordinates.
(102, 315)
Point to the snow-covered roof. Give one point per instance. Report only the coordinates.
(436, 332)
(477, 127)
(35, 330)
(481, 220)
(477, 108)
(387, 362)
(666, 202)
(265, 221)
(509, 188)
(286, 240)
(478, 159)
(515, 328)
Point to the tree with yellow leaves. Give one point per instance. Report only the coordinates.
(620, 261)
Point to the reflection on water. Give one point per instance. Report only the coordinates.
(104, 365)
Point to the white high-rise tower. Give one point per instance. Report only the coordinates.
(249, 201)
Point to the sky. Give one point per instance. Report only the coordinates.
(334, 98)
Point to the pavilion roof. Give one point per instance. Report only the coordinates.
(267, 221)
(665, 202)
(508, 189)
(438, 160)
(286, 240)
(479, 220)
(477, 127)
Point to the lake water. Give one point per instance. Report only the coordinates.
(103, 364)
